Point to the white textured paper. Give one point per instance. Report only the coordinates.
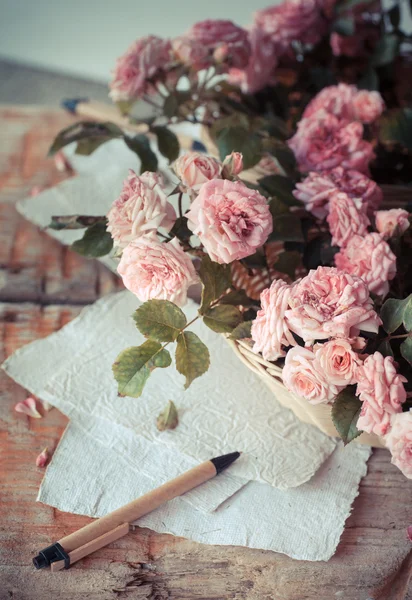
(229, 408)
(305, 522)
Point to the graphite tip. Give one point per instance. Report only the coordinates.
(222, 462)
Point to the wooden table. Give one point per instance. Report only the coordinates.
(42, 286)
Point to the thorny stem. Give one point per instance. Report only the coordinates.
(395, 337)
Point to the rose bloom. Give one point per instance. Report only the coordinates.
(292, 20)
(335, 99)
(368, 106)
(191, 53)
(232, 164)
(213, 33)
(390, 222)
(230, 219)
(329, 303)
(152, 269)
(269, 330)
(399, 442)
(302, 376)
(195, 168)
(337, 361)
(346, 218)
(142, 207)
(143, 60)
(370, 258)
(262, 62)
(323, 142)
(381, 391)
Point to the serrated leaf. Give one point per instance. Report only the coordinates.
(288, 262)
(407, 313)
(192, 356)
(287, 227)
(280, 187)
(396, 127)
(160, 320)
(237, 139)
(133, 366)
(140, 145)
(215, 279)
(345, 413)
(237, 298)
(242, 331)
(95, 242)
(406, 349)
(84, 130)
(173, 102)
(385, 348)
(167, 142)
(223, 318)
(74, 222)
(168, 418)
(394, 312)
(386, 50)
(88, 146)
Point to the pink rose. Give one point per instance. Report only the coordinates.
(262, 62)
(337, 361)
(302, 376)
(232, 165)
(329, 303)
(152, 269)
(141, 208)
(191, 53)
(399, 442)
(269, 330)
(194, 169)
(292, 20)
(346, 218)
(323, 142)
(230, 219)
(392, 222)
(370, 258)
(335, 99)
(368, 106)
(214, 33)
(145, 59)
(316, 189)
(381, 392)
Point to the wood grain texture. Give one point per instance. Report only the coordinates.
(44, 287)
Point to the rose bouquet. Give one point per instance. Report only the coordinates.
(284, 225)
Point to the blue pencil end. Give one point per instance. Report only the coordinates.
(70, 104)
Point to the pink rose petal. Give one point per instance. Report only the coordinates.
(28, 407)
(43, 458)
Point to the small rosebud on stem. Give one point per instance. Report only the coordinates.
(232, 165)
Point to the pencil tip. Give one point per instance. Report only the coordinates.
(70, 104)
(222, 462)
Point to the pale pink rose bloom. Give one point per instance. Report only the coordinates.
(302, 376)
(323, 142)
(329, 303)
(269, 330)
(346, 218)
(214, 33)
(381, 391)
(195, 168)
(368, 106)
(370, 258)
(262, 62)
(151, 269)
(141, 208)
(230, 219)
(191, 53)
(144, 60)
(335, 99)
(292, 20)
(232, 165)
(399, 442)
(28, 407)
(337, 361)
(391, 222)
(43, 458)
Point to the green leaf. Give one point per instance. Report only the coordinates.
(288, 262)
(287, 227)
(84, 130)
(280, 187)
(385, 348)
(237, 298)
(394, 312)
(160, 320)
(223, 318)
(369, 80)
(88, 146)
(406, 349)
(344, 26)
(345, 413)
(237, 139)
(168, 418)
(133, 366)
(167, 142)
(95, 242)
(192, 356)
(215, 279)
(141, 146)
(125, 106)
(396, 127)
(173, 103)
(386, 50)
(74, 222)
(242, 331)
